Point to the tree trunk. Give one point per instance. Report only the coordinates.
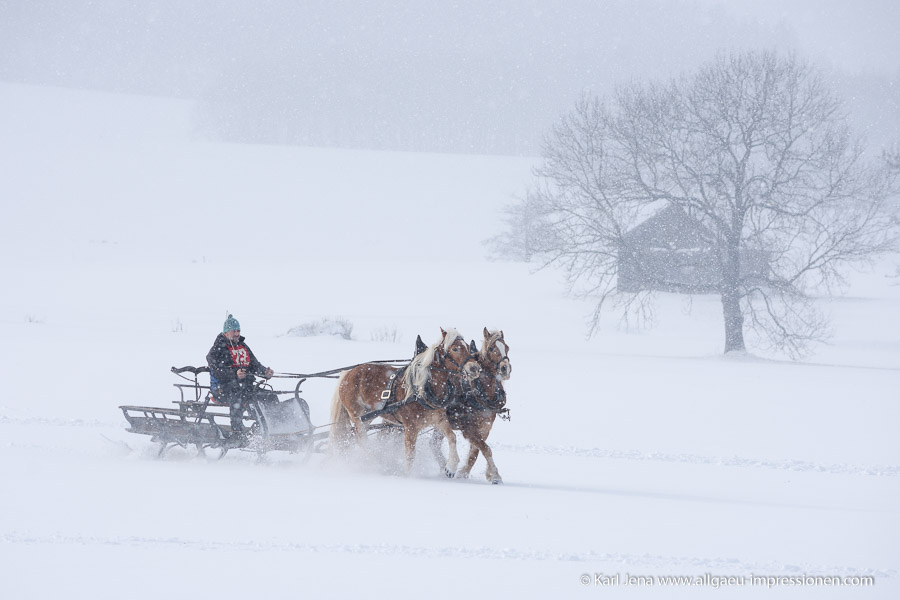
(734, 322)
(731, 296)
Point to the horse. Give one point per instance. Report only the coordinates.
(428, 384)
(474, 412)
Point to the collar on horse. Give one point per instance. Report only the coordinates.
(452, 396)
(430, 400)
(476, 397)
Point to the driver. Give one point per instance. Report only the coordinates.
(232, 367)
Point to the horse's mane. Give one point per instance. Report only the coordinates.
(488, 342)
(419, 370)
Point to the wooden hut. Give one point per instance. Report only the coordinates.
(673, 252)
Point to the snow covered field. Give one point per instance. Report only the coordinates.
(644, 452)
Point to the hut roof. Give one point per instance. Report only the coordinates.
(671, 228)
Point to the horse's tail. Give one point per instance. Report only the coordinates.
(340, 420)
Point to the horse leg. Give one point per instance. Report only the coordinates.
(478, 443)
(436, 438)
(470, 461)
(492, 473)
(453, 463)
(362, 432)
(410, 435)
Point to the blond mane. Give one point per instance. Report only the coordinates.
(419, 370)
(488, 342)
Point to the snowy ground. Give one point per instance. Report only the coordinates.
(643, 452)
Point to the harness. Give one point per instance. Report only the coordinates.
(430, 401)
(388, 392)
(427, 400)
(475, 399)
(478, 397)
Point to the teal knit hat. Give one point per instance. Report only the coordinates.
(231, 324)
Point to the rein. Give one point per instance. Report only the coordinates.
(332, 374)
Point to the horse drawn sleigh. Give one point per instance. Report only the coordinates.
(448, 386)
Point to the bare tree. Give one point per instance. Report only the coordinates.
(892, 157)
(756, 149)
(528, 232)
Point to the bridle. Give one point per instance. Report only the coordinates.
(495, 366)
(445, 358)
(430, 399)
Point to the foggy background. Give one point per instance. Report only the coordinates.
(430, 75)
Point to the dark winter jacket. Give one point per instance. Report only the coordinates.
(224, 360)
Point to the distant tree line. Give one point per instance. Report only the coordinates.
(499, 107)
(448, 110)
